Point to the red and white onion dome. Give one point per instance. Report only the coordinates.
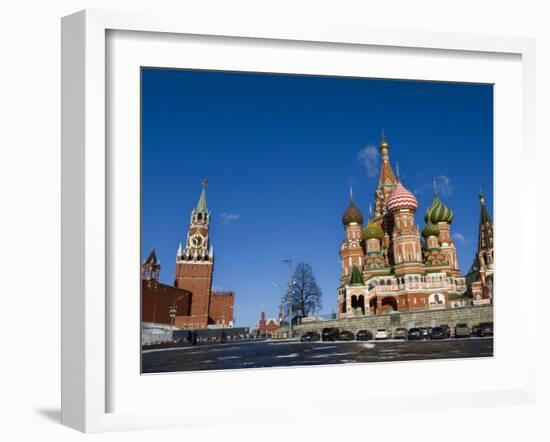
(401, 198)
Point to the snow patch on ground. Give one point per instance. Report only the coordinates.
(368, 345)
(292, 355)
(223, 358)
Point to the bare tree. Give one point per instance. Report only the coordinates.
(305, 293)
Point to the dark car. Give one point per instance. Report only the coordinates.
(437, 333)
(462, 330)
(310, 336)
(346, 336)
(400, 333)
(475, 330)
(330, 334)
(425, 332)
(447, 330)
(364, 335)
(414, 334)
(486, 329)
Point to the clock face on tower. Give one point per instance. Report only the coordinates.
(196, 241)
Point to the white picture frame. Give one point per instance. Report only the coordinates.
(86, 210)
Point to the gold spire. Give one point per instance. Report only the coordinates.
(383, 141)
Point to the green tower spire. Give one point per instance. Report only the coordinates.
(201, 206)
(356, 277)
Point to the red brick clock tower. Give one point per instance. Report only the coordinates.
(195, 263)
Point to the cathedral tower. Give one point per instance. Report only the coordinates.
(387, 182)
(407, 252)
(195, 262)
(150, 270)
(351, 250)
(480, 276)
(441, 216)
(376, 259)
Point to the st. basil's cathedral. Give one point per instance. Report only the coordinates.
(390, 265)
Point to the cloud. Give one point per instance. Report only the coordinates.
(442, 184)
(369, 159)
(229, 217)
(459, 237)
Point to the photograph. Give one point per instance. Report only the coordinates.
(299, 220)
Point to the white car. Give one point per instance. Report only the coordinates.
(382, 333)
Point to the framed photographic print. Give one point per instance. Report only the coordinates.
(253, 208)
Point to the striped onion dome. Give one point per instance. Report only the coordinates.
(372, 230)
(438, 212)
(430, 230)
(401, 198)
(352, 214)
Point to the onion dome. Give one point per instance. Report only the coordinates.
(401, 198)
(352, 214)
(430, 230)
(372, 230)
(438, 212)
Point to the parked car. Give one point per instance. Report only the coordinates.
(330, 334)
(346, 335)
(364, 335)
(462, 330)
(486, 329)
(475, 330)
(310, 336)
(400, 333)
(447, 330)
(437, 333)
(425, 332)
(414, 334)
(382, 333)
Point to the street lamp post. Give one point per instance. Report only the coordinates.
(288, 261)
(173, 312)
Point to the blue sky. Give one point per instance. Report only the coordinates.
(280, 152)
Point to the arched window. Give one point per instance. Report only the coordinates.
(382, 282)
(199, 216)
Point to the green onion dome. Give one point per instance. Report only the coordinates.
(438, 212)
(372, 230)
(430, 230)
(352, 214)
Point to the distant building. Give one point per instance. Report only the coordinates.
(198, 306)
(267, 326)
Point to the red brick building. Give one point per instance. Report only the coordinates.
(159, 301)
(266, 326)
(199, 306)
